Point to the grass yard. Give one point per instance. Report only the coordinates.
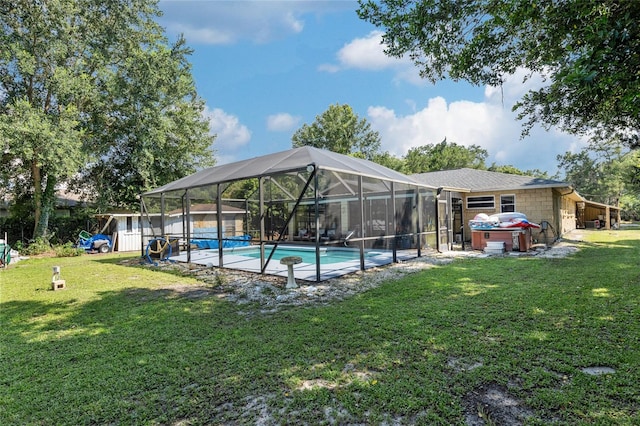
(477, 341)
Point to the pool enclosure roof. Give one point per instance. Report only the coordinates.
(282, 162)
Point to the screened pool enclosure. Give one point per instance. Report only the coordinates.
(339, 214)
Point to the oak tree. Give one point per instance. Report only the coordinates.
(340, 130)
(85, 83)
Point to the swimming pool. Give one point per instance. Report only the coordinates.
(308, 254)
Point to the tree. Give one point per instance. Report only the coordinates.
(390, 161)
(158, 135)
(586, 51)
(512, 170)
(597, 176)
(444, 156)
(68, 90)
(340, 130)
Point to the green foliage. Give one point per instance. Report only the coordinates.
(62, 229)
(444, 156)
(158, 134)
(630, 207)
(340, 130)
(86, 84)
(67, 250)
(598, 175)
(39, 245)
(587, 52)
(608, 175)
(389, 160)
(509, 169)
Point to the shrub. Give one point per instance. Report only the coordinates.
(38, 246)
(67, 250)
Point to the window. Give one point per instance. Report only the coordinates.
(129, 224)
(484, 202)
(507, 203)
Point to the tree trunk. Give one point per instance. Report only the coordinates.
(43, 200)
(37, 195)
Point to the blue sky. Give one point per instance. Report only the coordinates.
(265, 68)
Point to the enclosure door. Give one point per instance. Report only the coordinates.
(445, 231)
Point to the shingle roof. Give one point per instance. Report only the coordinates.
(482, 180)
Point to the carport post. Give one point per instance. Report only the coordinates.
(361, 242)
(219, 224)
(394, 223)
(316, 205)
(142, 207)
(188, 215)
(261, 215)
(162, 232)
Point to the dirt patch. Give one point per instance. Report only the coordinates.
(492, 404)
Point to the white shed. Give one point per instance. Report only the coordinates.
(124, 229)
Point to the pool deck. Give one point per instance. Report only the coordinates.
(302, 271)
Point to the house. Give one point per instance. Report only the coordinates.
(555, 205)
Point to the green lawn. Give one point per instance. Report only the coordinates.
(498, 339)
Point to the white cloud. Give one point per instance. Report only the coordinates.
(486, 124)
(330, 68)
(514, 87)
(225, 22)
(202, 35)
(367, 53)
(282, 122)
(231, 134)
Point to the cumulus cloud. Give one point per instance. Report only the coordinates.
(486, 124)
(282, 122)
(231, 134)
(367, 53)
(514, 87)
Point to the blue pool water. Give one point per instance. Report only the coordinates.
(308, 256)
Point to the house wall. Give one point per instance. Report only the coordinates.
(567, 213)
(537, 204)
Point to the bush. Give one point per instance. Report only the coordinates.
(67, 250)
(38, 246)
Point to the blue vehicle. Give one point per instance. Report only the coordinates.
(91, 243)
